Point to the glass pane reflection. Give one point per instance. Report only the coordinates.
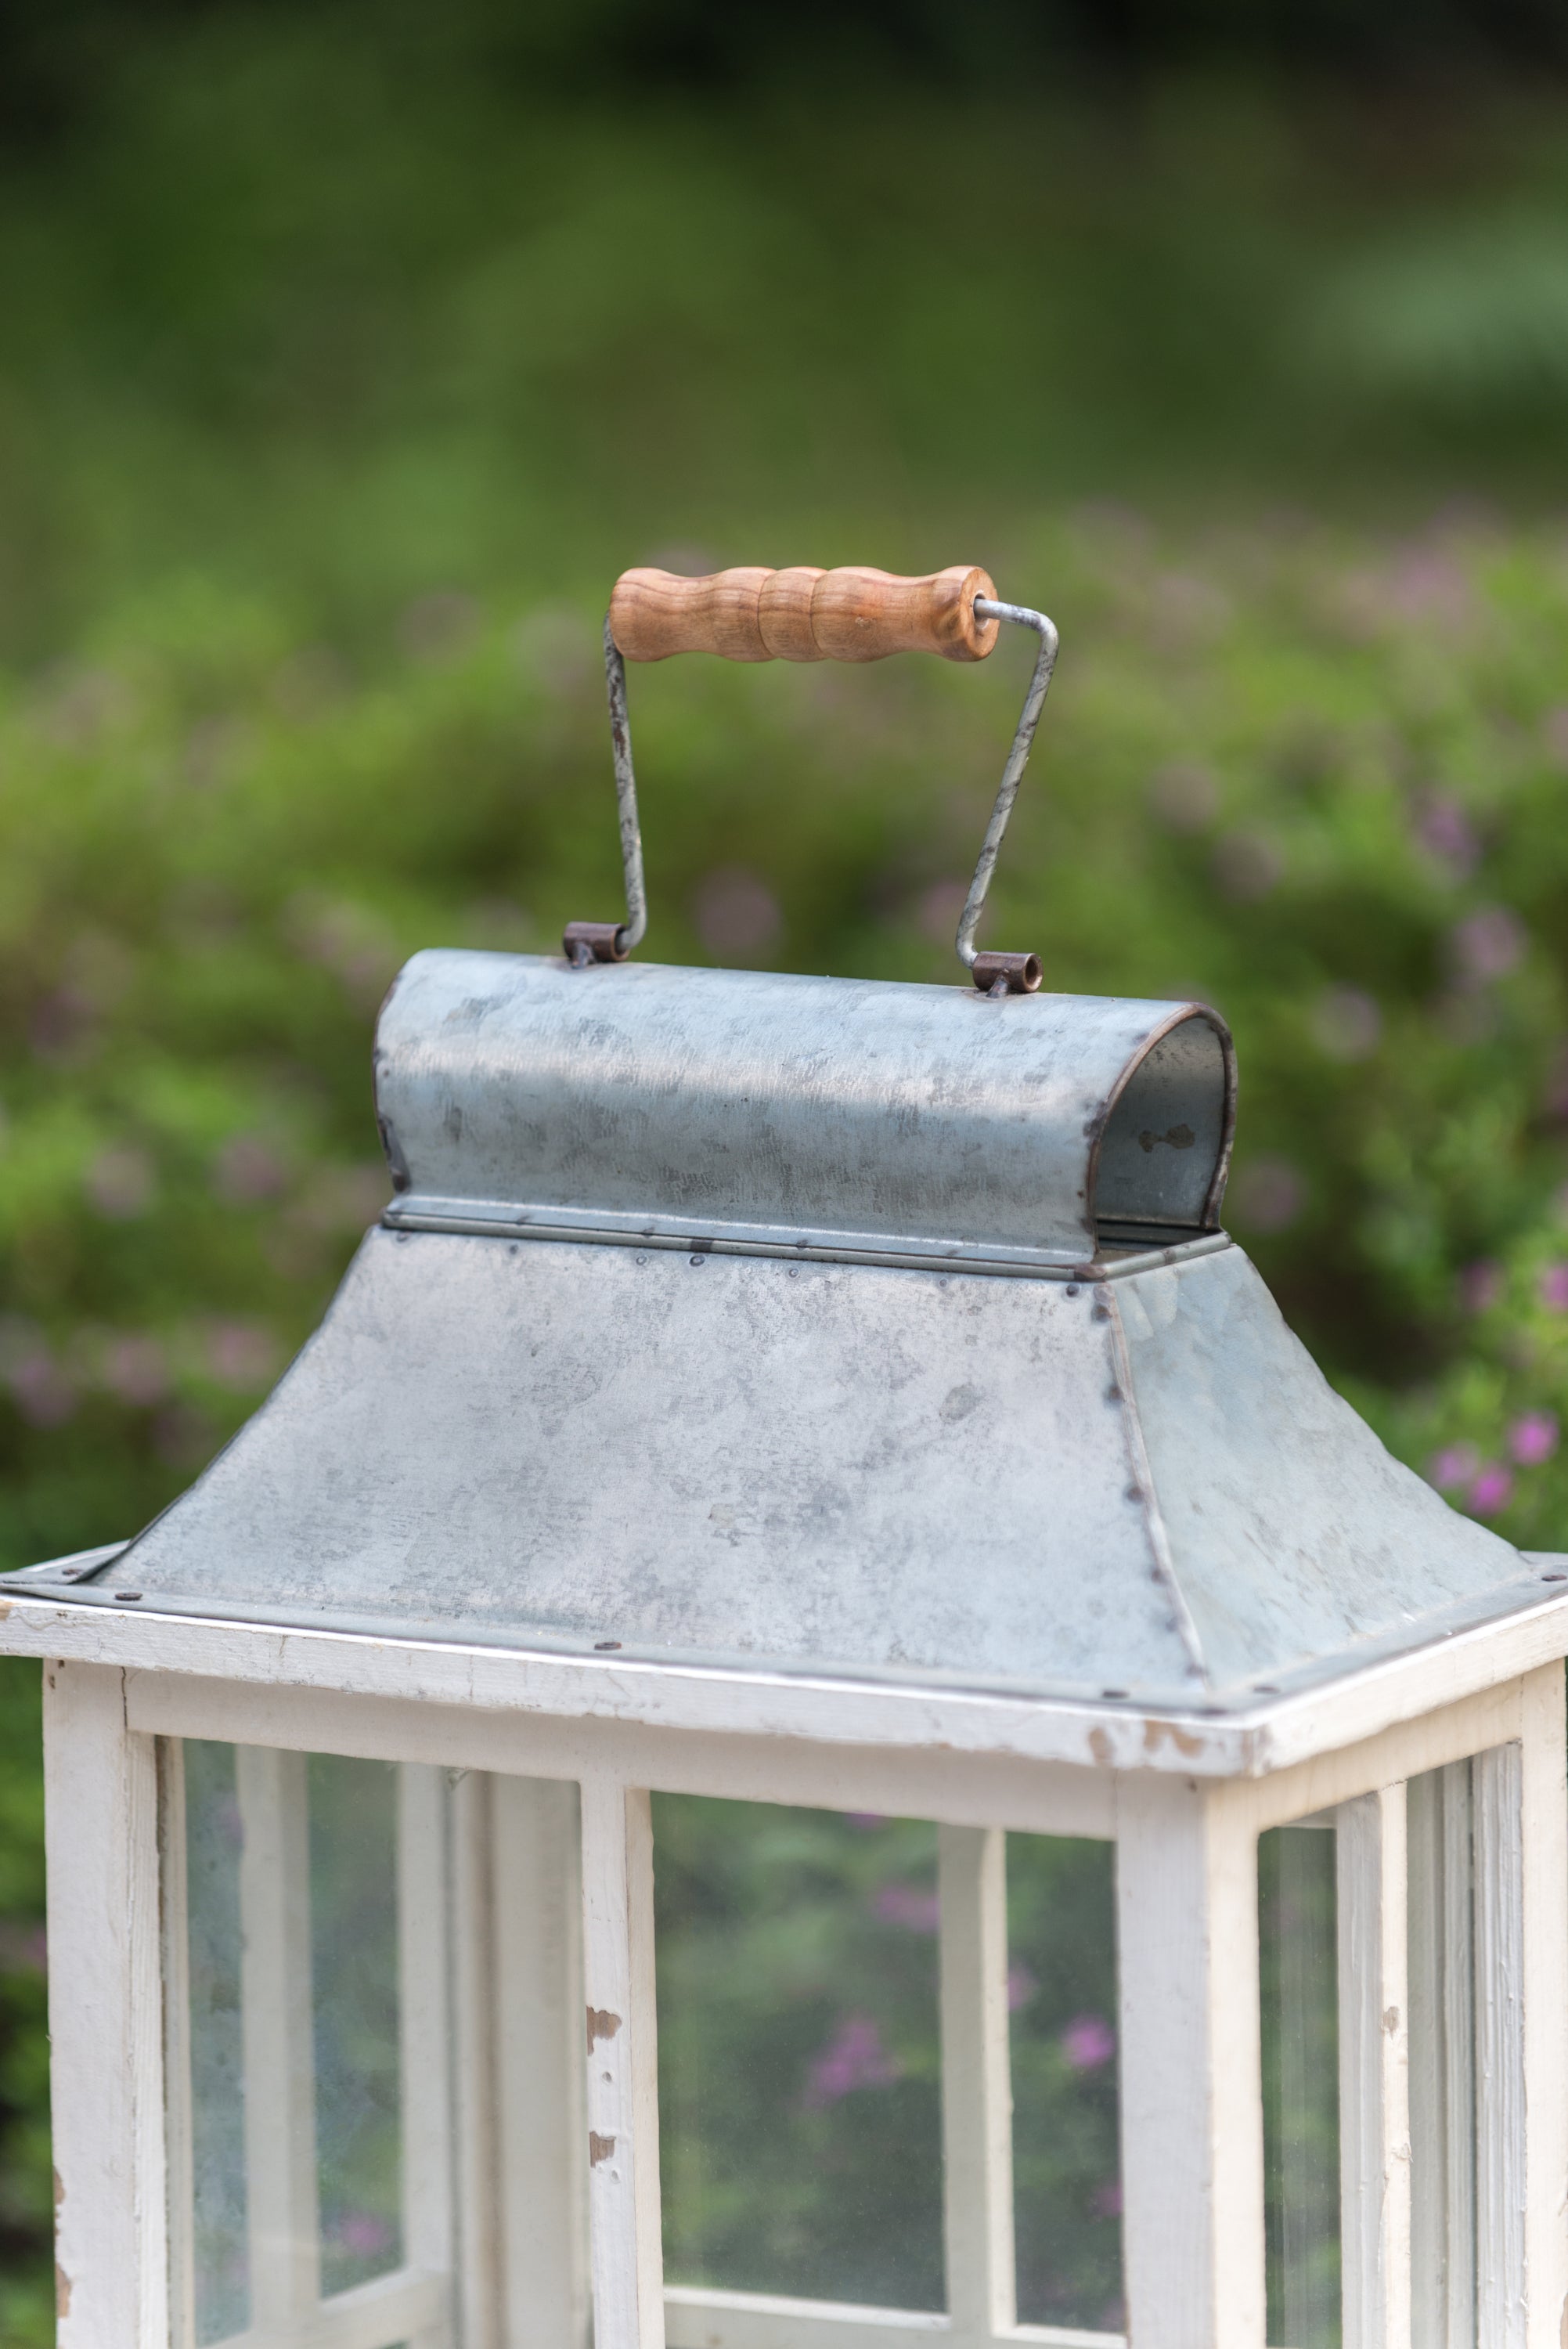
(213, 1840)
(293, 2030)
(800, 2140)
(353, 1970)
(1298, 1935)
(1062, 1997)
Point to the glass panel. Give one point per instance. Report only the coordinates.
(212, 1838)
(354, 1975)
(293, 1872)
(1297, 1921)
(1061, 1991)
(1442, 1999)
(800, 2121)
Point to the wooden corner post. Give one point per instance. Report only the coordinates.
(1191, 2098)
(106, 2014)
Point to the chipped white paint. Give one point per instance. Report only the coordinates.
(1263, 1736)
(621, 2030)
(106, 2017)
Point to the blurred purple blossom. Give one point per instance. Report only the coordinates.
(1533, 1438)
(247, 1170)
(1446, 832)
(1269, 1193)
(363, 2234)
(937, 910)
(1106, 2201)
(1346, 1024)
(41, 1389)
(737, 913)
(1247, 866)
(1554, 733)
(1455, 1464)
(1493, 1490)
(1184, 795)
(1021, 1985)
(908, 1904)
(853, 2058)
(1487, 944)
(240, 1354)
(1480, 1286)
(1087, 2042)
(24, 1949)
(866, 1820)
(1555, 1287)
(134, 1369)
(120, 1182)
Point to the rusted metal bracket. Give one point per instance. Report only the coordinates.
(585, 942)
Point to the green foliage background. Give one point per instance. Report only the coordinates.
(347, 356)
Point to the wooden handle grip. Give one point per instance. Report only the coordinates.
(802, 615)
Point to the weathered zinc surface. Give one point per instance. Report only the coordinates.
(778, 1322)
(637, 1097)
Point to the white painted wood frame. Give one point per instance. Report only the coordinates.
(1191, 2099)
(106, 2014)
(621, 2032)
(976, 2083)
(1543, 1846)
(1374, 2070)
(542, 2118)
(1186, 1913)
(1497, 1780)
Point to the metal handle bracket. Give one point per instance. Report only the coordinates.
(994, 974)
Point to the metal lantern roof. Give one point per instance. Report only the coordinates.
(817, 1324)
(797, 1325)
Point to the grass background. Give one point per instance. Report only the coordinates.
(349, 353)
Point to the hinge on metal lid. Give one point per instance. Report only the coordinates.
(586, 942)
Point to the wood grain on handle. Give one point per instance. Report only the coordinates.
(802, 615)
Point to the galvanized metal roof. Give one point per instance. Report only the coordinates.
(781, 1324)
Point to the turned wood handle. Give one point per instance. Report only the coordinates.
(802, 615)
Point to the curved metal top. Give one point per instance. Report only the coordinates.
(831, 1114)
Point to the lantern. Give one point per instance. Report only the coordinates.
(772, 1408)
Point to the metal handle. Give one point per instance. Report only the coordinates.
(995, 974)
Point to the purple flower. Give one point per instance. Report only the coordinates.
(1021, 1985)
(1106, 2203)
(1487, 945)
(1493, 1490)
(908, 1904)
(1087, 2042)
(361, 2232)
(1269, 1193)
(1555, 1287)
(1446, 832)
(853, 2058)
(1533, 1438)
(1480, 1286)
(1346, 1024)
(865, 1821)
(1456, 1464)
